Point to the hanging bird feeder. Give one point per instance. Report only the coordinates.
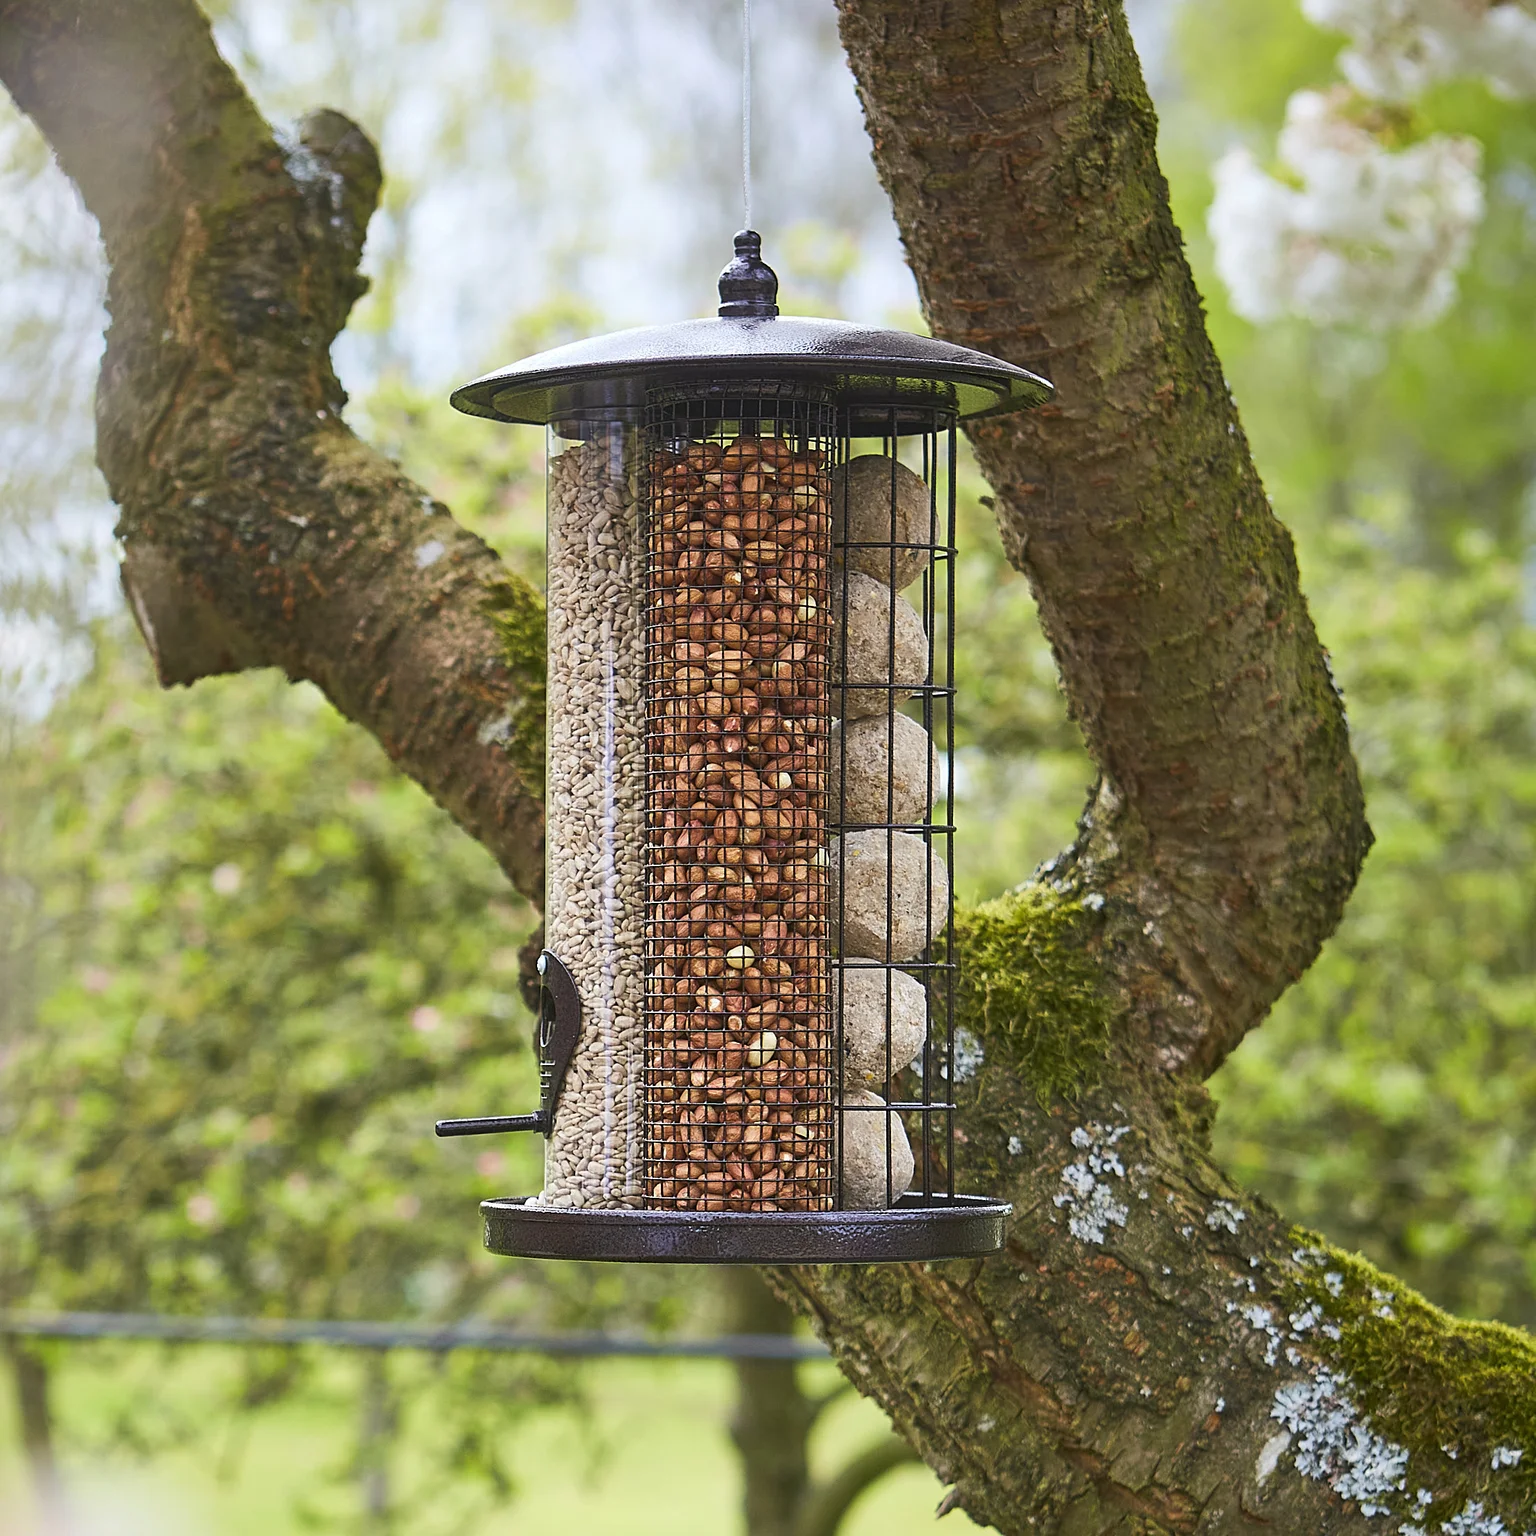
(746, 1034)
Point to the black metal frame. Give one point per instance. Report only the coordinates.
(958, 1227)
(934, 437)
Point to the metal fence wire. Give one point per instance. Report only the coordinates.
(432, 1338)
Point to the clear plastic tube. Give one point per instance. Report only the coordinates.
(594, 794)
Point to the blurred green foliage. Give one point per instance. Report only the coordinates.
(1021, 772)
(245, 965)
(248, 965)
(1390, 1100)
(268, 957)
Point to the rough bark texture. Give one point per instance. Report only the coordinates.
(1153, 1352)
(1121, 1367)
(259, 530)
(1018, 146)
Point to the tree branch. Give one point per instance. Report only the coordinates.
(259, 531)
(771, 1418)
(1018, 146)
(1152, 1349)
(35, 1413)
(1128, 1364)
(827, 1504)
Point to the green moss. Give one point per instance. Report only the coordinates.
(1029, 990)
(1427, 1380)
(517, 611)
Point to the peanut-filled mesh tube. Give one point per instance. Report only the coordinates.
(594, 790)
(738, 1023)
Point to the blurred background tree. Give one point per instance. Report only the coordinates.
(189, 1132)
(1392, 1095)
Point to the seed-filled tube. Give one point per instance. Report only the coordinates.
(594, 792)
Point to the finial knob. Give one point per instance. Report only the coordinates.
(749, 287)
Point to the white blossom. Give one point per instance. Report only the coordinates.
(1366, 235)
(1399, 48)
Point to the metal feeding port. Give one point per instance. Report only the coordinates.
(745, 1032)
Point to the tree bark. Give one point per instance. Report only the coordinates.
(259, 531)
(1018, 146)
(772, 1419)
(29, 1371)
(1153, 1352)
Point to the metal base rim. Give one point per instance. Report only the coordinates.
(945, 1227)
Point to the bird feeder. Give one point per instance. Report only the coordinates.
(746, 1040)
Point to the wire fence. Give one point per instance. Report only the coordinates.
(432, 1338)
(378, 1412)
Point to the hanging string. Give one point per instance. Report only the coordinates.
(746, 114)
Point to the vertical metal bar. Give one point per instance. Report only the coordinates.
(892, 448)
(930, 619)
(839, 651)
(949, 811)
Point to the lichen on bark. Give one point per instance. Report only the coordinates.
(1457, 1395)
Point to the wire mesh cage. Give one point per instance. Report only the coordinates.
(745, 1026)
(739, 1032)
(892, 811)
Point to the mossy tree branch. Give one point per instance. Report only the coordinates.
(1136, 1361)
(1018, 145)
(258, 530)
(1151, 1353)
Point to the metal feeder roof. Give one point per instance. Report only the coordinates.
(871, 372)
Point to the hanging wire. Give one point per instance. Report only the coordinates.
(746, 114)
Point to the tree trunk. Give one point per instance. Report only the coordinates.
(1153, 1352)
(34, 1412)
(772, 1423)
(375, 1438)
(772, 1418)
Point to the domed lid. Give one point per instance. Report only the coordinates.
(878, 375)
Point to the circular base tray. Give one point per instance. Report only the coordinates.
(945, 1227)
